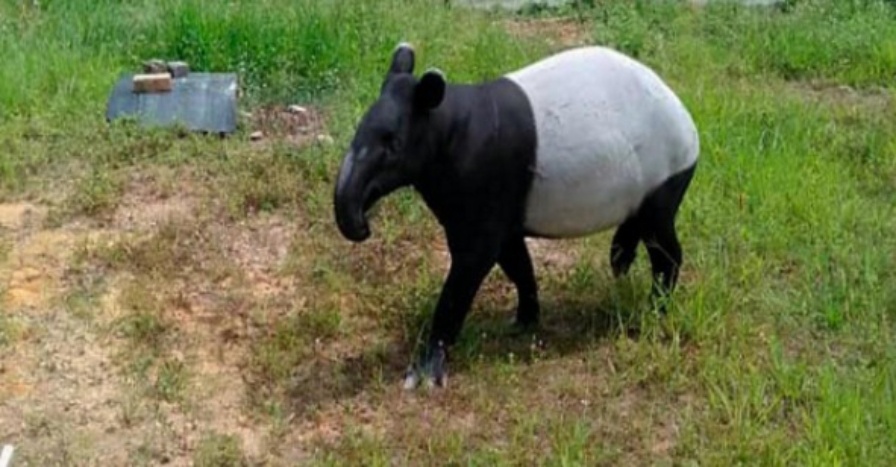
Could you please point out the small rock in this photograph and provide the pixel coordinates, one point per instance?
(325, 139)
(297, 109)
(245, 114)
(256, 136)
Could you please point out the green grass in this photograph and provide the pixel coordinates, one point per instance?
(778, 349)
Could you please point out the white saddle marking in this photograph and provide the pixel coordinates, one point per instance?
(609, 132)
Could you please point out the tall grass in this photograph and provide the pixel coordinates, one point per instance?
(282, 50)
(851, 41)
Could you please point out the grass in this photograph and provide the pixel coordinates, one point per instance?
(219, 450)
(778, 349)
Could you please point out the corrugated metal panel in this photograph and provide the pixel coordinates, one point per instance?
(199, 101)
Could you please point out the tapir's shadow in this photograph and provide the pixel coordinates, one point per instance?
(568, 326)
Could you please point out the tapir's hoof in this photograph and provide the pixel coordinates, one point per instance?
(432, 373)
(411, 379)
(414, 378)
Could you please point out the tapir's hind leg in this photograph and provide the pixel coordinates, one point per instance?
(665, 257)
(657, 221)
(625, 246)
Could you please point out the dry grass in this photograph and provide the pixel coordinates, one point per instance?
(181, 300)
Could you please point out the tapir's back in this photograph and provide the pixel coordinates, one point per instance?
(609, 132)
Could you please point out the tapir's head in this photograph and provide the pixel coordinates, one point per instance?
(391, 145)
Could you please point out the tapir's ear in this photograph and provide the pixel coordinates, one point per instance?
(430, 90)
(402, 59)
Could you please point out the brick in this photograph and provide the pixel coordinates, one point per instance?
(148, 83)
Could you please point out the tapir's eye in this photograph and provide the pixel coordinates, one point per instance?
(388, 141)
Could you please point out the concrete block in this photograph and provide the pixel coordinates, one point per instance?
(178, 69)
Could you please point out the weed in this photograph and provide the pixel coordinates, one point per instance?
(170, 381)
(143, 324)
(82, 298)
(261, 183)
(8, 330)
(217, 450)
(275, 356)
(96, 194)
(321, 324)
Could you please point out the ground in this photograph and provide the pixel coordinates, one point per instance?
(179, 299)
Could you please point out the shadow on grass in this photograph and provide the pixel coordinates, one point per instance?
(568, 326)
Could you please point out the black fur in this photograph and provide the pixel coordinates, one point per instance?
(654, 224)
(476, 186)
(470, 150)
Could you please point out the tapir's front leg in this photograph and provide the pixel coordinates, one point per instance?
(472, 257)
(517, 265)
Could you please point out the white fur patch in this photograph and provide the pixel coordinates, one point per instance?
(403, 45)
(609, 132)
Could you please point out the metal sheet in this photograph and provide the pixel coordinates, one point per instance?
(199, 101)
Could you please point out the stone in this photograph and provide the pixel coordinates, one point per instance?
(256, 136)
(325, 139)
(297, 109)
(154, 66)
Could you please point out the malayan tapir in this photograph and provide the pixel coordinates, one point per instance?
(580, 142)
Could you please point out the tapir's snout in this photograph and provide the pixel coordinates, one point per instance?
(348, 207)
(357, 233)
(349, 200)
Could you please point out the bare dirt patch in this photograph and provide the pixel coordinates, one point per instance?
(295, 124)
(555, 255)
(259, 246)
(219, 280)
(878, 101)
(35, 270)
(68, 391)
(34, 265)
(56, 397)
(558, 32)
(19, 215)
(152, 198)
